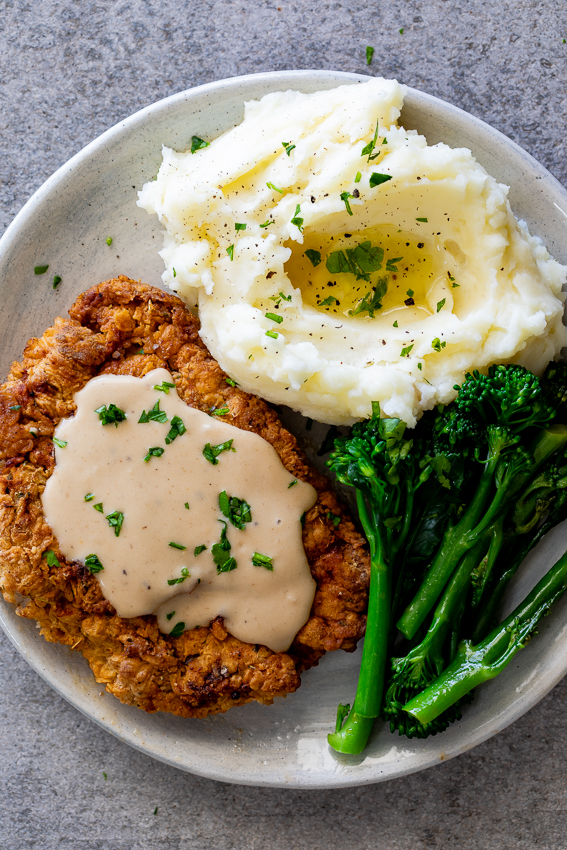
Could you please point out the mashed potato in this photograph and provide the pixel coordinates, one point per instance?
(337, 259)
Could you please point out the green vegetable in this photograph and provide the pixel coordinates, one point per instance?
(422, 220)
(272, 334)
(376, 179)
(221, 553)
(110, 415)
(211, 453)
(89, 497)
(155, 451)
(344, 197)
(288, 147)
(177, 430)
(230, 252)
(40, 269)
(391, 264)
(274, 317)
(313, 256)
(177, 630)
(109, 241)
(56, 281)
(231, 383)
(60, 443)
(328, 302)
(368, 150)
(164, 387)
(369, 55)
(297, 220)
(358, 177)
(441, 304)
(170, 615)
(437, 345)
(238, 226)
(99, 507)
(262, 561)
(198, 144)
(153, 415)
(361, 261)
(115, 521)
(372, 301)
(405, 352)
(219, 411)
(51, 558)
(199, 549)
(275, 188)
(184, 574)
(93, 564)
(177, 546)
(236, 510)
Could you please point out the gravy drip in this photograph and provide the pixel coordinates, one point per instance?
(259, 605)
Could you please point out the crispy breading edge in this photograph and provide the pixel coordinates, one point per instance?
(204, 670)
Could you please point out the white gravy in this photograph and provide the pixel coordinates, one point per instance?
(259, 605)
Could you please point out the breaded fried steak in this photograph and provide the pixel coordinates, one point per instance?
(128, 328)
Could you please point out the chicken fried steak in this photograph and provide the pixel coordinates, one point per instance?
(129, 328)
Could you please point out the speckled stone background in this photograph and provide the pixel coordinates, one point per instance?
(69, 70)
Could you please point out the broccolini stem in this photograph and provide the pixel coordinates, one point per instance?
(476, 664)
(352, 737)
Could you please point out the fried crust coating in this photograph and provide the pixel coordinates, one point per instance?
(129, 328)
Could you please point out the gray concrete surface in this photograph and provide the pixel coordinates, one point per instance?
(69, 70)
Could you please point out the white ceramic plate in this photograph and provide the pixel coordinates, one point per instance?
(66, 224)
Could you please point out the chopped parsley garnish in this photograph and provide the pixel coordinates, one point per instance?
(452, 279)
(230, 252)
(302, 518)
(376, 179)
(239, 226)
(272, 334)
(395, 325)
(391, 264)
(40, 269)
(115, 520)
(410, 293)
(109, 241)
(221, 553)
(288, 147)
(231, 383)
(60, 443)
(211, 453)
(369, 148)
(51, 558)
(372, 301)
(110, 415)
(360, 261)
(234, 509)
(369, 55)
(358, 177)
(292, 483)
(275, 188)
(89, 497)
(174, 273)
(405, 352)
(176, 430)
(155, 451)
(170, 615)
(262, 561)
(198, 144)
(297, 220)
(153, 415)
(187, 505)
(437, 345)
(177, 546)
(177, 630)
(266, 223)
(279, 298)
(199, 549)
(313, 256)
(344, 197)
(424, 220)
(164, 387)
(401, 31)
(274, 317)
(93, 564)
(335, 519)
(99, 507)
(184, 574)
(219, 411)
(14, 407)
(328, 302)
(441, 304)
(56, 281)
(420, 366)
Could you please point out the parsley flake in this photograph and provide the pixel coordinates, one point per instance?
(266, 223)
(89, 497)
(262, 561)
(110, 415)
(335, 519)
(231, 383)
(410, 293)
(109, 241)
(297, 220)
(372, 301)
(405, 352)
(360, 261)
(391, 264)
(40, 269)
(199, 549)
(292, 483)
(170, 615)
(51, 558)
(60, 443)
(99, 507)
(275, 188)
(395, 325)
(358, 177)
(93, 563)
(328, 302)
(176, 430)
(239, 226)
(177, 630)
(376, 179)
(344, 197)
(369, 55)
(177, 546)
(211, 453)
(313, 256)
(236, 510)
(155, 451)
(441, 304)
(437, 345)
(174, 273)
(153, 415)
(164, 387)
(56, 281)
(221, 553)
(187, 505)
(424, 220)
(219, 411)
(288, 147)
(184, 574)
(368, 150)
(115, 520)
(198, 144)
(230, 252)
